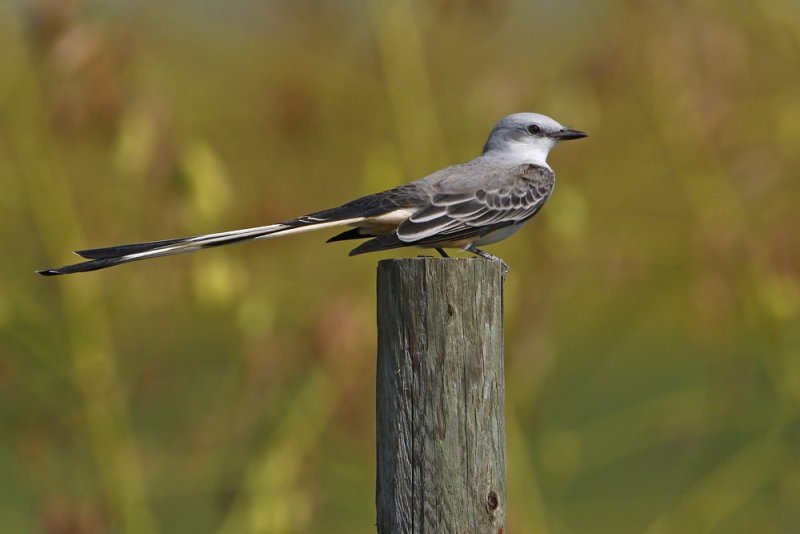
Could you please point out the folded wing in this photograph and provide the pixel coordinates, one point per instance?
(456, 214)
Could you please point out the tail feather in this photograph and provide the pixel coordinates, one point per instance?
(353, 233)
(383, 242)
(85, 266)
(122, 250)
(100, 258)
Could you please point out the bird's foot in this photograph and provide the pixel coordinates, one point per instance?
(491, 257)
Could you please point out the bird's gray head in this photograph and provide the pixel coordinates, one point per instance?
(527, 138)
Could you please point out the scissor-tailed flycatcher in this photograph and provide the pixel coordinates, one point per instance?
(463, 206)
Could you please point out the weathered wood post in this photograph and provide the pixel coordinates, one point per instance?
(440, 398)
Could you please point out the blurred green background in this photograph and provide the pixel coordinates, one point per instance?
(652, 332)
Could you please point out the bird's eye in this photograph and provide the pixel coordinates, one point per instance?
(534, 129)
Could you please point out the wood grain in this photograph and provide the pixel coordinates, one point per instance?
(440, 397)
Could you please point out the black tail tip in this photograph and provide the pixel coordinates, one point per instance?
(48, 272)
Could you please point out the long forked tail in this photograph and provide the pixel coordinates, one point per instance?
(100, 258)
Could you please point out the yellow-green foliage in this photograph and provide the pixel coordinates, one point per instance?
(652, 310)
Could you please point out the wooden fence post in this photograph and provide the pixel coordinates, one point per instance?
(440, 398)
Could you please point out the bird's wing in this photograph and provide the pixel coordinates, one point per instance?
(509, 196)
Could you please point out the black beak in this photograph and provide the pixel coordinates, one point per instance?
(565, 134)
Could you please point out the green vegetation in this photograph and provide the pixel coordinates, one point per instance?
(652, 310)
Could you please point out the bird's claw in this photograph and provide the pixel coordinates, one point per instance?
(491, 257)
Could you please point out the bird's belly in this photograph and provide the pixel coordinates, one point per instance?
(497, 235)
(493, 237)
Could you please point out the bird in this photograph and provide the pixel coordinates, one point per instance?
(463, 206)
